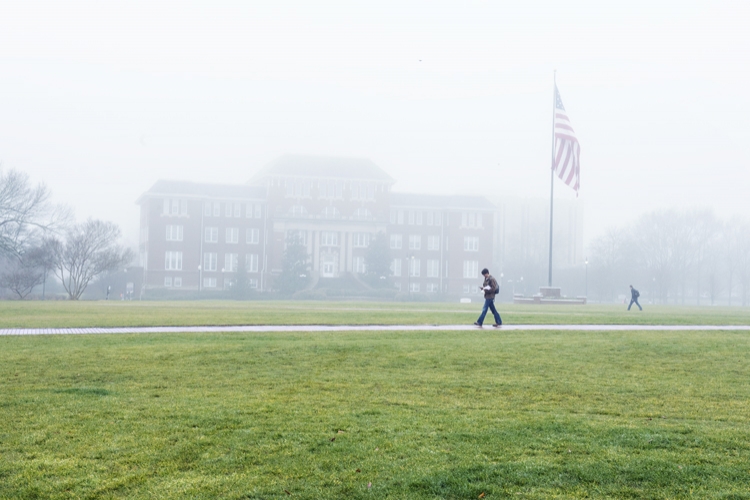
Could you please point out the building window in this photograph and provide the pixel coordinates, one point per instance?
(359, 265)
(210, 261)
(469, 289)
(471, 219)
(411, 217)
(360, 240)
(252, 236)
(297, 210)
(209, 282)
(177, 281)
(212, 235)
(363, 191)
(297, 236)
(471, 268)
(233, 235)
(430, 218)
(438, 219)
(253, 283)
(414, 266)
(330, 213)
(413, 287)
(251, 262)
(433, 268)
(173, 261)
(396, 241)
(248, 210)
(217, 209)
(362, 214)
(415, 241)
(396, 267)
(207, 209)
(400, 216)
(433, 243)
(227, 209)
(237, 210)
(433, 288)
(174, 233)
(329, 238)
(298, 189)
(168, 281)
(257, 211)
(174, 206)
(419, 218)
(330, 190)
(230, 262)
(471, 243)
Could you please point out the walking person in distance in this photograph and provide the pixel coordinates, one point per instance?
(490, 289)
(634, 294)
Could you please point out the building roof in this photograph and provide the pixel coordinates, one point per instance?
(451, 202)
(324, 166)
(200, 190)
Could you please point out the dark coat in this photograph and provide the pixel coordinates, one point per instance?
(492, 283)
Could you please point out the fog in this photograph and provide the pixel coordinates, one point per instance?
(99, 100)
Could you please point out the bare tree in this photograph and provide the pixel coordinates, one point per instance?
(90, 249)
(26, 213)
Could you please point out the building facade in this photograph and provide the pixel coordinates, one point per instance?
(199, 236)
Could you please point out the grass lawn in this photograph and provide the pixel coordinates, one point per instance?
(477, 414)
(57, 314)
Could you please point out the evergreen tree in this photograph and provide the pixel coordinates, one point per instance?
(378, 262)
(295, 266)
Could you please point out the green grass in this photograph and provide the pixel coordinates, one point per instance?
(56, 314)
(418, 415)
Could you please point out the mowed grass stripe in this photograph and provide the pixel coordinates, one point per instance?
(414, 414)
(66, 314)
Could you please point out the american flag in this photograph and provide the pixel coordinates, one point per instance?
(567, 150)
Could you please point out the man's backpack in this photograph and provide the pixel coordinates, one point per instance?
(636, 293)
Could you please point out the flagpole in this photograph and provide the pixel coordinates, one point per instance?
(552, 175)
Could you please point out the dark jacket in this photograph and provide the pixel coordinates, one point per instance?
(634, 294)
(490, 282)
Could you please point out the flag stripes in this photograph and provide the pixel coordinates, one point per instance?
(567, 150)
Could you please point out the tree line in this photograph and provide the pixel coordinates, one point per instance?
(39, 238)
(674, 256)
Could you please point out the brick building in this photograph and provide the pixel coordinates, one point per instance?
(199, 236)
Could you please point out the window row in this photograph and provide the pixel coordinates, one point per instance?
(415, 267)
(416, 217)
(330, 212)
(415, 287)
(232, 235)
(212, 283)
(174, 206)
(328, 238)
(213, 209)
(471, 243)
(231, 261)
(471, 219)
(331, 189)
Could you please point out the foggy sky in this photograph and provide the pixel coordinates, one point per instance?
(101, 99)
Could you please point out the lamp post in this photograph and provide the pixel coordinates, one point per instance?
(200, 278)
(586, 262)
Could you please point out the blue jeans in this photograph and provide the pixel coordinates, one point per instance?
(634, 301)
(489, 304)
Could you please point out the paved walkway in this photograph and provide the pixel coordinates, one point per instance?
(355, 328)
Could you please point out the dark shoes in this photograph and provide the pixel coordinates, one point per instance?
(497, 325)
(476, 323)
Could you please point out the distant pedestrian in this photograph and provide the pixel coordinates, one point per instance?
(634, 294)
(490, 288)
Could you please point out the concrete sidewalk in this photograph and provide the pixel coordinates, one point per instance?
(358, 328)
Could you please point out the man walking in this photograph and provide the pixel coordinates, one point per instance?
(634, 294)
(490, 289)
